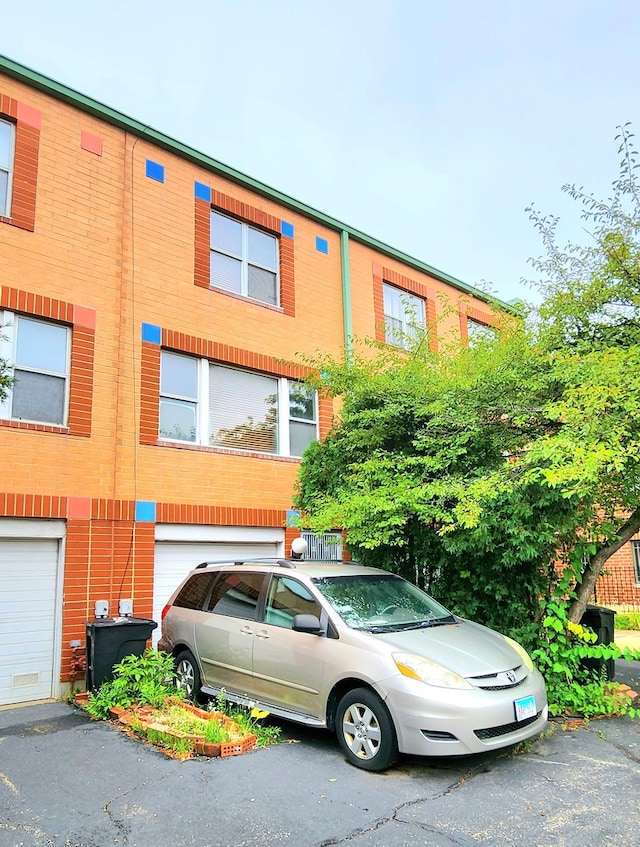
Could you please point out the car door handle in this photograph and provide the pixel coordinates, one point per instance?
(264, 634)
(246, 630)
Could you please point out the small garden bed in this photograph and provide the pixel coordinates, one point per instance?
(181, 728)
(144, 700)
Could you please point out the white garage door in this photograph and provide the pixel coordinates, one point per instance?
(174, 560)
(28, 578)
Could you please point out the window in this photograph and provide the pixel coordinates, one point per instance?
(221, 406)
(236, 595)
(39, 353)
(478, 332)
(195, 591)
(403, 316)
(635, 546)
(288, 598)
(178, 397)
(244, 259)
(6, 162)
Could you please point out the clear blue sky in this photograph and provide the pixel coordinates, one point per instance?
(429, 125)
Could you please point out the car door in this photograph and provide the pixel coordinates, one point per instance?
(225, 634)
(288, 666)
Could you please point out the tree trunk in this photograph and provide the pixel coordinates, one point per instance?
(596, 565)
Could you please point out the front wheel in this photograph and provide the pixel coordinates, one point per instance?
(365, 730)
(187, 675)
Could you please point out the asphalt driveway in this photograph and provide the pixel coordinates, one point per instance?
(66, 780)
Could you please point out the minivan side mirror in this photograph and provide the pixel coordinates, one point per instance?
(307, 623)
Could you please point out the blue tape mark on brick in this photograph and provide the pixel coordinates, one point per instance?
(322, 245)
(154, 171)
(202, 191)
(286, 229)
(145, 511)
(151, 333)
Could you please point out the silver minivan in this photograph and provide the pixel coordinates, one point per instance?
(354, 649)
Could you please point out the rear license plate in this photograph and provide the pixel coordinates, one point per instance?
(525, 707)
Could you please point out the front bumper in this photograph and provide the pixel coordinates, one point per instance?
(433, 721)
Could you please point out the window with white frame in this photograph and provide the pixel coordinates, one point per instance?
(244, 259)
(178, 397)
(635, 546)
(39, 353)
(478, 332)
(6, 164)
(404, 316)
(216, 405)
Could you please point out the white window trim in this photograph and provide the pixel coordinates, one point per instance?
(202, 410)
(244, 260)
(408, 316)
(479, 330)
(8, 340)
(635, 555)
(12, 151)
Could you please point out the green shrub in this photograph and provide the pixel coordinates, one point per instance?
(628, 620)
(145, 680)
(573, 689)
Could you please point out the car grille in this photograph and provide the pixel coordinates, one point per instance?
(502, 682)
(501, 687)
(505, 729)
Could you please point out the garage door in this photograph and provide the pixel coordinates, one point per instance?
(28, 577)
(174, 560)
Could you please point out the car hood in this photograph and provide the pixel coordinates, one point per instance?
(467, 648)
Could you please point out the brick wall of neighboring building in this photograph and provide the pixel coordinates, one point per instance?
(619, 585)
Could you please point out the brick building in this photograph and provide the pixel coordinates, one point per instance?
(154, 305)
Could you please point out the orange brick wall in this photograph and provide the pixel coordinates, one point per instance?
(99, 245)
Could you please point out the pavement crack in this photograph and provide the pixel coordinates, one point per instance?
(393, 816)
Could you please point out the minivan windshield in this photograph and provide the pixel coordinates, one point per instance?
(381, 602)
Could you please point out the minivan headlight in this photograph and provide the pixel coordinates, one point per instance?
(526, 658)
(417, 667)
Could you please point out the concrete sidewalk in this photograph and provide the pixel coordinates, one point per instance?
(627, 638)
(66, 781)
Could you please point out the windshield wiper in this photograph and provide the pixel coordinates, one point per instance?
(431, 622)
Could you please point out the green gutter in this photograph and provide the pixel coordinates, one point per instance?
(122, 121)
(346, 293)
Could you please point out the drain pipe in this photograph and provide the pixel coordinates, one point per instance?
(346, 294)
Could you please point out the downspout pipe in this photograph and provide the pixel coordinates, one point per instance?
(345, 269)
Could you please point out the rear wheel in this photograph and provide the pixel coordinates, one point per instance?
(365, 730)
(187, 675)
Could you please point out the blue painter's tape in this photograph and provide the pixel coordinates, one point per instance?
(145, 511)
(154, 171)
(322, 245)
(293, 518)
(286, 229)
(202, 191)
(151, 333)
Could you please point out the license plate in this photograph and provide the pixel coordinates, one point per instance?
(525, 707)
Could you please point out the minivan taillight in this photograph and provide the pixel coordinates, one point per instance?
(164, 611)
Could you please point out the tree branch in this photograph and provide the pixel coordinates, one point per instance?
(596, 564)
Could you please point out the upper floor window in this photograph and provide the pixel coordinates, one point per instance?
(404, 316)
(39, 353)
(478, 332)
(6, 164)
(244, 259)
(216, 405)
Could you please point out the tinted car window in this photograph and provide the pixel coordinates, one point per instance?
(236, 595)
(194, 591)
(286, 599)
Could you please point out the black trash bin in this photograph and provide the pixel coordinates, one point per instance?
(111, 639)
(602, 622)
